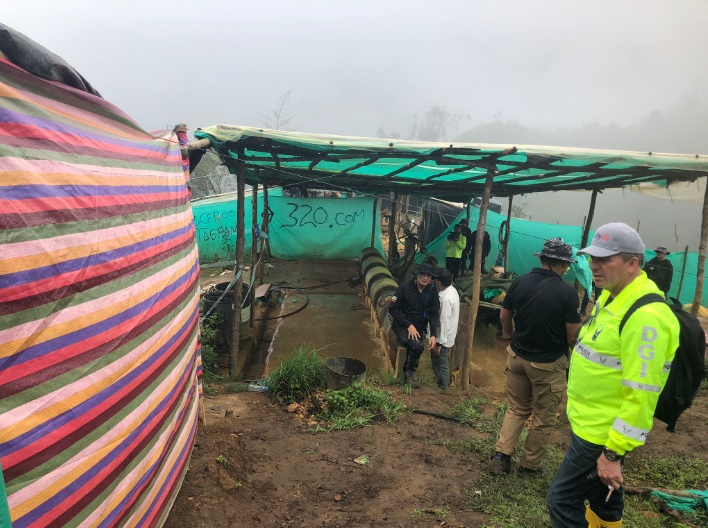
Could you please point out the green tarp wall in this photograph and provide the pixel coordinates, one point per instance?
(299, 228)
(527, 238)
(215, 223)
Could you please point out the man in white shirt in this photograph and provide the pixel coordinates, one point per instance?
(449, 316)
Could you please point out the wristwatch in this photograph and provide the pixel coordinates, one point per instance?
(612, 456)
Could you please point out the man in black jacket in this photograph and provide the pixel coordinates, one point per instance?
(660, 270)
(415, 305)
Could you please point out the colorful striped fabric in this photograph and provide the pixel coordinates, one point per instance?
(99, 357)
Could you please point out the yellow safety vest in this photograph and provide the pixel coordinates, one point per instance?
(454, 249)
(615, 381)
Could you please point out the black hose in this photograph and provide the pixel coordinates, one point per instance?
(437, 415)
(307, 301)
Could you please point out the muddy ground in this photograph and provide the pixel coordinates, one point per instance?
(255, 464)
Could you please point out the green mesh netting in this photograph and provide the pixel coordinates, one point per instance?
(527, 238)
(299, 228)
(685, 504)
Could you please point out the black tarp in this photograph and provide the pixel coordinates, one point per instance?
(37, 60)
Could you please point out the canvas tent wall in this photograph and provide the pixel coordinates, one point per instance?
(99, 356)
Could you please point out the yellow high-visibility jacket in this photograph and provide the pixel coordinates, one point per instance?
(454, 248)
(615, 381)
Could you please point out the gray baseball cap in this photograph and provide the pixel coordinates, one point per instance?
(614, 238)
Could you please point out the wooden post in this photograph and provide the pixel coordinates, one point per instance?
(374, 219)
(476, 278)
(588, 222)
(254, 249)
(683, 270)
(254, 222)
(392, 242)
(469, 205)
(701, 269)
(508, 234)
(238, 267)
(265, 248)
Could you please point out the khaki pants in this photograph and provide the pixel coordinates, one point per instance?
(534, 390)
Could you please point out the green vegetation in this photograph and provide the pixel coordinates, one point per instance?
(438, 513)
(222, 460)
(470, 412)
(513, 502)
(357, 406)
(209, 333)
(234, 387)
(298, 376)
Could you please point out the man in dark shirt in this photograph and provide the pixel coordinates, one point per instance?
(415, 305)
(540, 312)
(660, 270)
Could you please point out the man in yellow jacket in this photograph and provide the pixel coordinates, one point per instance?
(614, 384)
(454, 246)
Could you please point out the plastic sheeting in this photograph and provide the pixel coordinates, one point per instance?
(323, 228)
(299, 228)
(527, 238)
(99, 356)
(215, 223)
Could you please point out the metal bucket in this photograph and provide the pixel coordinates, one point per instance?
(341, 372)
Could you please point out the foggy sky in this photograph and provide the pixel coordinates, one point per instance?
(355, 67)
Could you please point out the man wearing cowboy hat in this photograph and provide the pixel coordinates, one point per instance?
(540, 313)
(415, 305)
(660, 270)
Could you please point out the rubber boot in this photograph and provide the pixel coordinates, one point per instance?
(595, 522)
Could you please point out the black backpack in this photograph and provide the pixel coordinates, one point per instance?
(688, 368)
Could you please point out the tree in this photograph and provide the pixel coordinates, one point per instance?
(279, 118)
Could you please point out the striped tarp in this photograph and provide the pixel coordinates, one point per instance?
(99, 357)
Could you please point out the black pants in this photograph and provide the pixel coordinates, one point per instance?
(414, 347)
(453, 266)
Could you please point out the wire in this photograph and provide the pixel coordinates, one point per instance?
(300, 309)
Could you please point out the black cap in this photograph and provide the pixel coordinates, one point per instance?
(555, 248)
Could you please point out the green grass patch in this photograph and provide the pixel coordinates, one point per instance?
(475, 413)
(357, 406)
(298, 376)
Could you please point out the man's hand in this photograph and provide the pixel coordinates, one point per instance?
(432, 343)
(610, 473)
(436, 349)
(413, 333)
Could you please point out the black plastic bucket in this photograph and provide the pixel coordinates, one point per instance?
(341, 372)
(225, 309)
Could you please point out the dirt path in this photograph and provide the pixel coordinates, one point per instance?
(261, 466)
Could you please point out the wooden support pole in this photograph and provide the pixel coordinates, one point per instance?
(588, 222)
(238, 266)
(264, 229)
(683, 271)
(374, 219)
(254, 248)
(198, 144)
(701, 269)
(392, 242)
(254, 222)
(508, 234)
(476, 279)
(469, 205)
